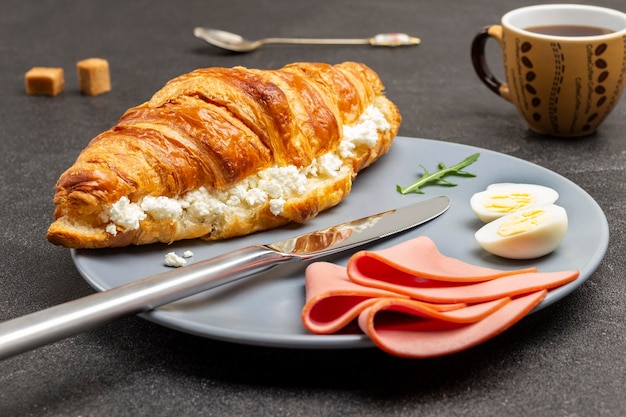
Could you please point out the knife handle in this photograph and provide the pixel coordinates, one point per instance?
(55, 323)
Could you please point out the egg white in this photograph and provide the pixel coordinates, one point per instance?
(504, 198)
(526, 234)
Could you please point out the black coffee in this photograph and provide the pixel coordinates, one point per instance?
(569, 30)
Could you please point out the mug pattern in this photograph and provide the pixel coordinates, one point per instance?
(559, 61)
(590, 106)
(600, 91)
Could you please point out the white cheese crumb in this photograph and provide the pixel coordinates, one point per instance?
(203, 205)
(346, 147)
(161, 207)
(187, 254)
(255, 196)
(111, 229)
(126, 214)
(329, 164)
(364, 131)
(174, 261)
(277, 205)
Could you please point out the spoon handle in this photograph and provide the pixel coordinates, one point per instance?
(382, 39)
(394, 39)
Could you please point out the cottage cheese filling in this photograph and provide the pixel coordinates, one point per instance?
(273, 185)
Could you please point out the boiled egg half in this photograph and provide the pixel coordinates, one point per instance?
(504, 198)
(525, 234)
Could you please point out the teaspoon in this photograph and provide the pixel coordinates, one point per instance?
(233, 42)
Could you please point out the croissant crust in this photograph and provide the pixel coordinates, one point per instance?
(213, 131)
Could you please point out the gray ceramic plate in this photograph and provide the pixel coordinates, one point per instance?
(265, 310)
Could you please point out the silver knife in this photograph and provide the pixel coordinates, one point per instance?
(55, 323)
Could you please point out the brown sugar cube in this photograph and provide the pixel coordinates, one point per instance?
(93, 76)
(45, 81)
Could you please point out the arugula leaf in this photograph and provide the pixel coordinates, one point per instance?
(437, 178)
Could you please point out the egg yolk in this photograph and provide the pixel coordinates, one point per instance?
(507, 203)
(523, 222)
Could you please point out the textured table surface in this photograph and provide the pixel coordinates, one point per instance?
(566, 360)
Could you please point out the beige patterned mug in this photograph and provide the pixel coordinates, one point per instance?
(564, 65)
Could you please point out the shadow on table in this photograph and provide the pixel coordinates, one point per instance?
(136, 360)
(366, 369)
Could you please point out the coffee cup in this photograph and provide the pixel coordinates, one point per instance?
(564, 65)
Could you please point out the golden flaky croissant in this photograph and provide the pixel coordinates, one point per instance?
(218, 153)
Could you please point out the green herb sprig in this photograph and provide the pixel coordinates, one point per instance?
(437, 178)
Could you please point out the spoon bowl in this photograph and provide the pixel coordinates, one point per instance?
(236, 43)
(226, 40)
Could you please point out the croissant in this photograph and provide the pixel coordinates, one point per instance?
(224, 152)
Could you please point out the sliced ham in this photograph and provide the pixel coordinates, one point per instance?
(418, 260)
(506, 286)
(413, 337)
(333, 301)
(413, 301)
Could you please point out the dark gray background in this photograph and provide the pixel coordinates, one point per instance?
(566, 360)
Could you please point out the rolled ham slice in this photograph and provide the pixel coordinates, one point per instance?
(441, 292)
(418, 260)
(413, 337)
(333, 301)
(413, 301)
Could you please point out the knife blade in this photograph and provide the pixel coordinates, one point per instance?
(28, 332)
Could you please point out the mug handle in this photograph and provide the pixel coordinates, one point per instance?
(480, 64)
